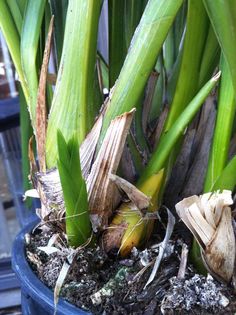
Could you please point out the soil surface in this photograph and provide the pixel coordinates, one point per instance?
(108, 284)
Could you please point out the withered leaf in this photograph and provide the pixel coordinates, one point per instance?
(135, 195)
(41, 108)
(101, 190)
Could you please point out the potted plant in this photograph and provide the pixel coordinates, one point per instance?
(163, 63)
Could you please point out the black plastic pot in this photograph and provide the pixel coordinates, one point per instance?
(36, 298)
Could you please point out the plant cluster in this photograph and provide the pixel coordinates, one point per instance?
(165, 58)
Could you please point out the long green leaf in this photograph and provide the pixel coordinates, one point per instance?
(26, 133)
(223, 129)
(117, 45)
(179, 27)
(169, 50)
(16, 13)
(151, 32)
(72, 107)
(227, 178)
(194, 41)
(59, 10)
(12, 38)
(29, 47)
(22, 6)
(210, 57)
(222, 14)
(78, 226)
(161, 154)
(133, 12)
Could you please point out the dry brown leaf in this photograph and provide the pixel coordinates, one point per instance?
(156, 134)
(151, 85)
(127, 165)
(135, 195)
(101, 191)
(51, 191)
(113, 239)
(200, 151)
(209, 219)
(88, 147)
(52, 78)
(32, 161)
(41, 108)
(99, 72)
(219, 255)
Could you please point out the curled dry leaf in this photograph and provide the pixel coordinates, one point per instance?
(208, 217)
(134, 194)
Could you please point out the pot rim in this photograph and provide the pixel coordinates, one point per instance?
(31, 284)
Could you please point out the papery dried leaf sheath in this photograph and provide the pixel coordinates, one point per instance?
(219, 255)
(88, 147)
(100, 188)
(50, 180)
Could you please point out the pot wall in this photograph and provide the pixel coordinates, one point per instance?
(37, 299)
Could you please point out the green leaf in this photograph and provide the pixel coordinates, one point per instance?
(26, 133)
(194, 41)
(210, 57)
(29, 46)
(11, 35)
(223, 128)
(78, 226)
(227, 178)
(165, 146)
(117, 45)
(73, 109)
(16, 13)
(59, 10)
(222, 14)
(133, 13)
(146, 44)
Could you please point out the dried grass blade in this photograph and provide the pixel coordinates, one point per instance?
(60, 280)
(162, 248)
(41, 108)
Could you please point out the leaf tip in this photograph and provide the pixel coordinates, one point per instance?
(217, 76)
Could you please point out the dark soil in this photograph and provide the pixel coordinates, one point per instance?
(123, 280)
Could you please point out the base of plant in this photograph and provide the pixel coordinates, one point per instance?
(98, 282)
